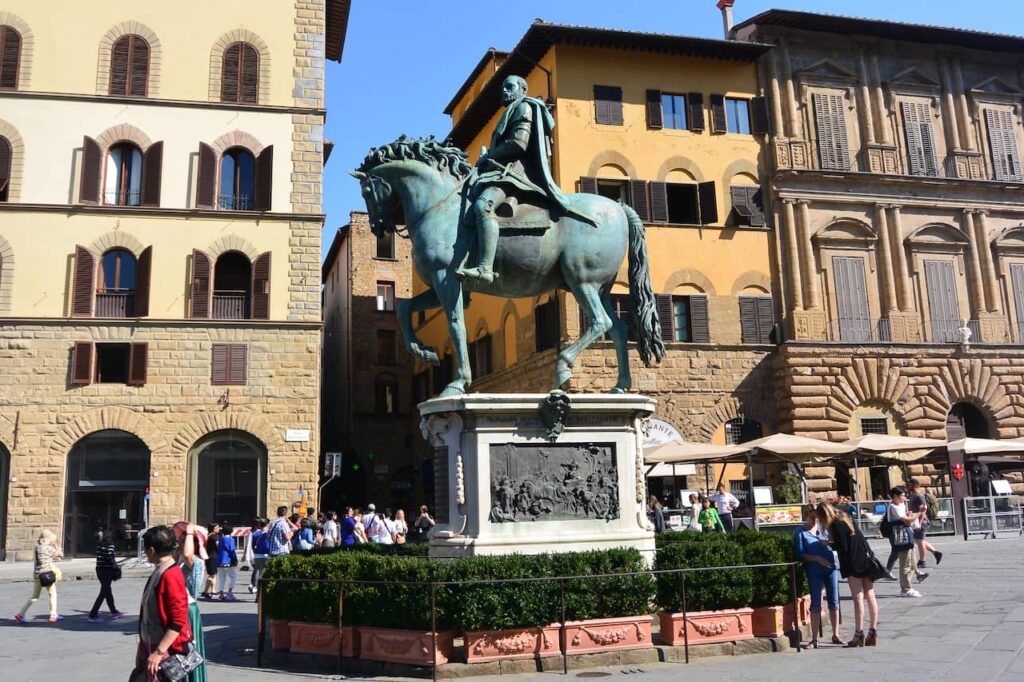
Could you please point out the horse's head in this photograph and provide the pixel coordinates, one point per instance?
(380, 202)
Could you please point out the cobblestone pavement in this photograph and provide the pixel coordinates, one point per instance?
(968, 626)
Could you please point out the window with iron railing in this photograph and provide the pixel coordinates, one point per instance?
(123, 182)
(115, 296)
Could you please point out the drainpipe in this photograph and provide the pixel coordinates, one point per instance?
(726, 7)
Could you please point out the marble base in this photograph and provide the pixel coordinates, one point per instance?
(506, 482)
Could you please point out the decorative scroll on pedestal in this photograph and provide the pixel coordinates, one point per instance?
(553, 482)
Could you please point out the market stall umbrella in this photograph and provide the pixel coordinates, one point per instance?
(899, 448)
(799, 449)
(985, 446)
(679, 452)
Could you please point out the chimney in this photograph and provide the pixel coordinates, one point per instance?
(726, 7)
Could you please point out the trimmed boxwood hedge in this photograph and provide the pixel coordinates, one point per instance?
(705, 590)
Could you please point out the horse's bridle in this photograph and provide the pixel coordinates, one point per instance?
(374, 180)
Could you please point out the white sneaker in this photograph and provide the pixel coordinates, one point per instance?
(910, 593)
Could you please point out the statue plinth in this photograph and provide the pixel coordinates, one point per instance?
(533, 473)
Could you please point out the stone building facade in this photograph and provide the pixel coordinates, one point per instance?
(369, 407)
(160, 217)
(895, 187)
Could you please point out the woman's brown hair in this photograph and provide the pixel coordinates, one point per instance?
(827, 515)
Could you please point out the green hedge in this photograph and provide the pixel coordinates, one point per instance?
(705, 590)
(771, 585)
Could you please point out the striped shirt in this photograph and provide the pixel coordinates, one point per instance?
(106, 555)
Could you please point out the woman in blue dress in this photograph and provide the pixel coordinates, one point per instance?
(190, 556)
(821, 565)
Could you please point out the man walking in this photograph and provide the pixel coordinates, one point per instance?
(725, 503)
(280, 532)
(901, 538)
(917, 503)
(368, 518)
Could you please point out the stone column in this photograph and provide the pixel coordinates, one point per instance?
(792, 115)
(866, 114)
(973, 265)
(812, 292)
(992, 299)
(905, 288)
(952, 126)
(882, 116)
(885, 256)
(792, 256)
(966, 132)
(778, 124)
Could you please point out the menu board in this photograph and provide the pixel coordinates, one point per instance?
(779, 515)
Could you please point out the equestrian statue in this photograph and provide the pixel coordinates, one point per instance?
(504, 228)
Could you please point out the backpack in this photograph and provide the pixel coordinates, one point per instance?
(932, 509)
(885, 525)
(261, 542)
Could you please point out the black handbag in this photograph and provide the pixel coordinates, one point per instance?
(116, 573)
(47, 578)
(177, 666)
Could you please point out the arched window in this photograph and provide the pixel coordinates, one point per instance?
(10, 57)
(385, 394)
(510, 339)
(129, 66)
(741, 430)
(6, 155)
(232, 285)
(966, 421)
(237, 179)
(240, 75)
(123, 183)
(229, 478)
(115, 296)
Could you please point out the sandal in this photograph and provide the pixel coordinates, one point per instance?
(836, 640)
(872, 638)
(813, 644)
(857, 641)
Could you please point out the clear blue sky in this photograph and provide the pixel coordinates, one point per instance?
(396, 76)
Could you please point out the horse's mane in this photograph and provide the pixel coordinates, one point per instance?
(426, 149)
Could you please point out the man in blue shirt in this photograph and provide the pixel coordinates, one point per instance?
(227, 566)
(348, 528)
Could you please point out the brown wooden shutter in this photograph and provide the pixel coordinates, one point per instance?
(718, 121)
(229, 79)
(81, 363)
(707, 202)
(206, 183)
(738, 194)
(654, 113)
(264, 179)
(759, 109)
(588, 185)
(638, 199)
(152, 165)
(699, 325)
(92, 164)
(238, 364)
(695, 111)
(830, 120)
(139, 72)
(6, 155)
(1003, 146)
(120, 54)
(748, 320)
(261, 287)
(608, 104)
(755, 201)
(219, 364)
(765, 318)
(201, 285)
(665, 316)
(920, 138)
(249, 75)
(10, 57)
(83, 293)
(138, 355)
(143, 273)
(659, 202)
(854, 315)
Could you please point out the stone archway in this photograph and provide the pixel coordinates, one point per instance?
(227, 478)
(116, 418)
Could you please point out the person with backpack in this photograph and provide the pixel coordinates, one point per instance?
(257, 551)
(886, 527)
(368, 518)
(919, 502)
(901, 537)
(227, 566)
(383, 529)
(424, 522)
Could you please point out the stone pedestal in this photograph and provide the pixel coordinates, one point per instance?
(533, 473)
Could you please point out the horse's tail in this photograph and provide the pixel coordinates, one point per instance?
(648, 326)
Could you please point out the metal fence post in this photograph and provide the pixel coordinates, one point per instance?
(561, 635)
(686, 625)
(433, 628)
(796, 606)
(260, 625)
(341, 629)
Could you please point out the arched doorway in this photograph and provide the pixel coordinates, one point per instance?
(5, 476)
(108, 473)
(229, 474)
(966, 421)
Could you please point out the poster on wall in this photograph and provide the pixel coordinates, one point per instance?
(661, 432)
(779, 515)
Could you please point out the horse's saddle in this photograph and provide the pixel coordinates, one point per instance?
(523, 215)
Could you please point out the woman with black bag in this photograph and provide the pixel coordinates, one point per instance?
(857, 563)
(107, 572)
(46, 576)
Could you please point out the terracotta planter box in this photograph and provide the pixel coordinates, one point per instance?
(607, 634)
(706, 627)
(768, 621)
(280, 635)
(412, 647)
(314, 638)
(803, 611)
(494, 645)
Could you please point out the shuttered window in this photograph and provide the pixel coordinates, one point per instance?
(386, 296)
(109, 363)
(655, 120)
(261, 287)
(695, 111)
(759, 113)
(129, 66)
(830, 122)
(10, 57)
(84, 283)
(240, 75)
(920, 137)
(684, 318)
(81, 363)
(623, 307)
(746, 202)
(673, 110)
(608, 105)
(943, 303)
(737, 114)
(480, 364)
(1002, 143)
(851, 290)
(684, 203)
(229, 364)
(92, 171)
(206, 177)
(201, 289)
(632, 192)
(6, 160)
(546, 325)
(1017, 280)
(757, 317)
(719, 121)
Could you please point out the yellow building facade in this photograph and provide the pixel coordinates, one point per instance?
(675, 127)
(160, 218)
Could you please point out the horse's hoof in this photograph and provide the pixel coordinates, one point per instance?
(452, 391)
(562, 376)
(618, 390)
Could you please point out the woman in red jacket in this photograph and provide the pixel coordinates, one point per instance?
(163, 622)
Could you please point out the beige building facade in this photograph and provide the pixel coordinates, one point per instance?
(160, 218)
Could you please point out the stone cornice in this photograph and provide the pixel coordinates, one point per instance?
(160, 102)
(147, 211)
(157, 323)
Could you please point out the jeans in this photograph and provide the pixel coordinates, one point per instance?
(36, 591)
(816, 581)
(726, 522)
(106, 578)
